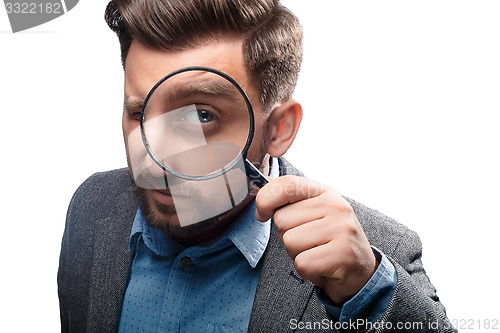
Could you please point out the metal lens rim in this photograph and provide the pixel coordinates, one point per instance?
(250, 130)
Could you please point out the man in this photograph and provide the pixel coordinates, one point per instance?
(293, 255)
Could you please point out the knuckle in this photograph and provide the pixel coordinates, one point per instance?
(345, 207)
(351, 228)
(289, 184)
(259, 199)
(342, 205)
(289, 179)
(334, 200)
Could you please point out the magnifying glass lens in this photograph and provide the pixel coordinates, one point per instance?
(189, 151)
(195, 124)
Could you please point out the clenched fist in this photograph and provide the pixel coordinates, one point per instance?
(321, 234)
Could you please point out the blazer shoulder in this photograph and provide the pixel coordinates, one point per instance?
(107, 181)
(102, 194)
(383, 232)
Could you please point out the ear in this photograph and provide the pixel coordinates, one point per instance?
(284, 123)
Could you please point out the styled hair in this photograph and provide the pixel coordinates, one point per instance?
(272, 35)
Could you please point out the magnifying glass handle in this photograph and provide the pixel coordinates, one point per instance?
(254, 174)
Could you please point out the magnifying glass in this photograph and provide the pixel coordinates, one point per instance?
(197, 123)
(190, 150)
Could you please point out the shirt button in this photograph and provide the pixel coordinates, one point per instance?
(185, 261)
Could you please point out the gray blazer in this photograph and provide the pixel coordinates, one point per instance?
(95, 261)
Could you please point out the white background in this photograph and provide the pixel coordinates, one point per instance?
(401, 103)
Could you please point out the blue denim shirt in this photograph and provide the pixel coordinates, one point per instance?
(195, 289)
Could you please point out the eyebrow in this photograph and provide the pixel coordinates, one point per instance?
(206, 87)
(133, 103)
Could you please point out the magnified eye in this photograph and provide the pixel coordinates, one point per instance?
(201, 115)
(205, 117)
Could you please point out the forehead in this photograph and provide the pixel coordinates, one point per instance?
(144, 66)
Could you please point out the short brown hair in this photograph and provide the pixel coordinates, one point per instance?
(272, 47)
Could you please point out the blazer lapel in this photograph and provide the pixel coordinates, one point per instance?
(281, 294)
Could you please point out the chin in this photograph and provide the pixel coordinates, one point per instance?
(165, 219)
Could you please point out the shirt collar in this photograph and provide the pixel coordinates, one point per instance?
(153, 238)
(249, 235)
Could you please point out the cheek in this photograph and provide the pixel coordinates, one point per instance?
(260, 142)
(129, 127)
(133, 143)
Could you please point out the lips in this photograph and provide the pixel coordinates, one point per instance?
(163, 197)
(166, 198)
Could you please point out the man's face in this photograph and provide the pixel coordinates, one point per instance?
(166, 205)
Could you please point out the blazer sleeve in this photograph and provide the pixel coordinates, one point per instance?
(414, 305)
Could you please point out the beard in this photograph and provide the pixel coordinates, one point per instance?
(166, 217)
(206, 226)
